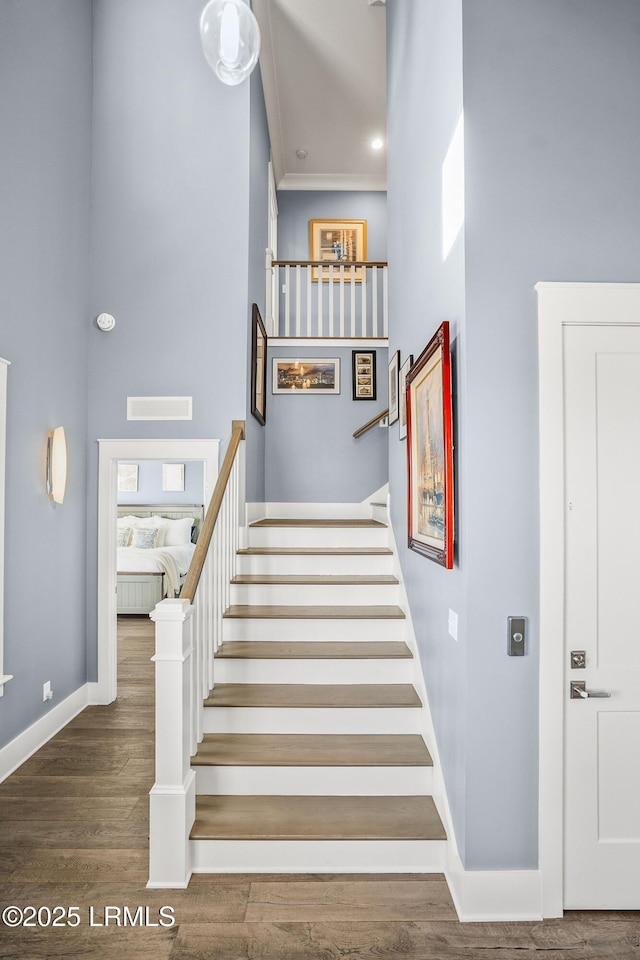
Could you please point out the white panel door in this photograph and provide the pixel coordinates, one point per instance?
(602, 734)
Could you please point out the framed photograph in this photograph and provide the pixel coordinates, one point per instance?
(338, 242)
(258, 366)
(402, 397)
(311, 376)
(394, 369)
(173, 477)
(127, 477)
(430, 451)
(363, 375)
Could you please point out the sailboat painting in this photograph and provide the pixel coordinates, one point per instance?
(430, 451)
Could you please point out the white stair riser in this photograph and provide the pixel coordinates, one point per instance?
(313, 594)
(318, 537)
(312, 720)
(336, 781)
(247, 628)
(313, 671)
(323, 565)
(318, 856)
(379, 513)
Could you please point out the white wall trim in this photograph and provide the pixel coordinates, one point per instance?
(478, 895)
(364, 343)
(560, 305)
(323, 181)
(14, 754)
(110, 451)
(493, 895)
(4, 365)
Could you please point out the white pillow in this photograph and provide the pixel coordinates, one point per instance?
(154, 521)
(144, 538)
(123, 536)
(178, 532)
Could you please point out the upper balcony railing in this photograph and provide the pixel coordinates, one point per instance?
(315, 298)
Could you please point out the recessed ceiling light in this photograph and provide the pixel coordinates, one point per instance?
(301, 154)
(377, 143)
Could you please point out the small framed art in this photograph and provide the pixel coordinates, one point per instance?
(363, 375)
(127, 477)
(402, 397)
(306, 376)
(258, 366)
(173, 477)
(394, 369)
(430, 451)
(340, 242)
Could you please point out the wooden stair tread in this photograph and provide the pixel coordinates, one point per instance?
(311, 650)
(312, 750)
(318, 612)
(316, 818)
(313, 695)
(295, 522)
(315, 579)
(316, 551)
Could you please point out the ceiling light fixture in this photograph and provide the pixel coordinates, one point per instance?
(377, 143)
(230, 38)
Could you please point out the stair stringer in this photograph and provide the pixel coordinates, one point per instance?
(478, 895)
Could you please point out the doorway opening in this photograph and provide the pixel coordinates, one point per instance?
(111, 452)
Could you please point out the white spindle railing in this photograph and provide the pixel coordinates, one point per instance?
(350, 299)
(188, 634)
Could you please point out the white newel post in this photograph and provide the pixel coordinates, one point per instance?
(172, 800)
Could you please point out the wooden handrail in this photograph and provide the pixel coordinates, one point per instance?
(336, 264)
(202, 546)
(371, 423)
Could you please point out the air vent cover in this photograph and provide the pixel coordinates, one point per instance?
(159, 408)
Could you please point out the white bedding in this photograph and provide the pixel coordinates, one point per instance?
(173, 562)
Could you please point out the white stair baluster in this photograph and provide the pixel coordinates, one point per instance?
(353, 301)
(330, 290)
(342, 299)
(287, 301)
(298, 291)
(374, 301)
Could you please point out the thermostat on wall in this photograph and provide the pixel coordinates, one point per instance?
(106, 322)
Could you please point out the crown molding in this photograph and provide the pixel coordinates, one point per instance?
(322, 181)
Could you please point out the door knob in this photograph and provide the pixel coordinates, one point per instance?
(578, 691)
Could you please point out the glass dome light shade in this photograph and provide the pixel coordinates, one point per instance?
(230, 38)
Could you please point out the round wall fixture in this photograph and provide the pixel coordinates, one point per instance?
(106, 322)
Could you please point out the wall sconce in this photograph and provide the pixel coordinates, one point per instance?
(230, 38)
(56, 464)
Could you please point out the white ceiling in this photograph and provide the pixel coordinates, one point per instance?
(324, 75)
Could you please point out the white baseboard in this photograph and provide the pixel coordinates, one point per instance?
(381, 495)
(14, 754)
(493, 895)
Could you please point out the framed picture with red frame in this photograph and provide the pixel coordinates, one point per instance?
(430, 451)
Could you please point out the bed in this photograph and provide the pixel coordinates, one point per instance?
(155, 547)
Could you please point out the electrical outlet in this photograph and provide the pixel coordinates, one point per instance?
(47, 692)
(453, 624)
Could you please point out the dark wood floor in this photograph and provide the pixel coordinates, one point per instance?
(73, 832)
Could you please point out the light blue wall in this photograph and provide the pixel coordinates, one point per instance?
(297, 207)
(150, 484)
(170, 228)
(45, 169)
(553, 135)
(424, 97)
(311, 453)
(260, 149)
(552, 132)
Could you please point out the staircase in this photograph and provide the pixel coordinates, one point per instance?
(312, 758)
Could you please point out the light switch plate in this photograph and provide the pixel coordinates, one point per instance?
(453, 624)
